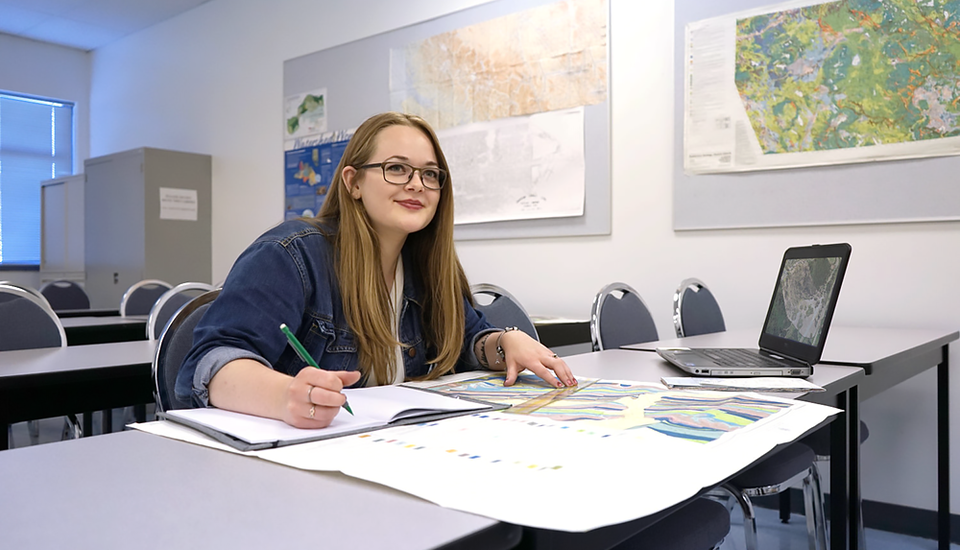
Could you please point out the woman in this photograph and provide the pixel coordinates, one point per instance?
(372, 287)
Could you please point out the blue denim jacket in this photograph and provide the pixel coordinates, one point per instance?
(288, 276)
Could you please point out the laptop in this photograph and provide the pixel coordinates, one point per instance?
(796, 326)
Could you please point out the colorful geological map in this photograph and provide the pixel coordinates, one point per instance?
(616, 405)
(852, 73)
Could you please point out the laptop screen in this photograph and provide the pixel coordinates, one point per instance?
(803, 301)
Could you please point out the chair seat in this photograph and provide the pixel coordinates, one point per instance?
(819, 440)
(776, 469)
(701, 524)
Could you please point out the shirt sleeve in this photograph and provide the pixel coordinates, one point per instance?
(475, 326)
(265, 288)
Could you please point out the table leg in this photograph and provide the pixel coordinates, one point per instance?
(5, 440)
(845, 472)
(87, 424)
(106, 421)
(943, 449)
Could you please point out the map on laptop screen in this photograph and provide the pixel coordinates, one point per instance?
(802, 300)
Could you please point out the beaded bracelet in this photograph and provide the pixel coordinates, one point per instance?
(502, 356)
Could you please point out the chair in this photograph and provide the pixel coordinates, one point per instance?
(775, 475)
(700, 525)
(64, 294)
(140, 297)
(695, 310)
(175, 341)
(168, 304)
(504, 310)
(618, 317)
(28, 322)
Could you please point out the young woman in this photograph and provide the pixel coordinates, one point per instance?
(372, 287)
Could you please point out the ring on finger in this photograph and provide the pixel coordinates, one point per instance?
(556, 356)
(313, 410)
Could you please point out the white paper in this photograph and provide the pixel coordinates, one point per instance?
(760, 384)
(178, 204)
(574, 475)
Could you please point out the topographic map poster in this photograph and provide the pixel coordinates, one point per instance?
(804, 84)
(517, 168)
(542, 59)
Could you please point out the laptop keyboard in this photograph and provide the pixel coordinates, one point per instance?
(739, 358)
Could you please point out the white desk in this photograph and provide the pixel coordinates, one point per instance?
(40, 383)
(888, 357)
(134, 490)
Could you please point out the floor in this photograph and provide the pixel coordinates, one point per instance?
(773, 535)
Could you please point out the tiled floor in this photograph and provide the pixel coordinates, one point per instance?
(773, 535)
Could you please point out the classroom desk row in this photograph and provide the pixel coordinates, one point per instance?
(41, 383)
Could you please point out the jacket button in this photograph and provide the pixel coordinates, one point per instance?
(412, 352)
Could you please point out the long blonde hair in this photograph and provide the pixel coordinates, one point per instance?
(436, 267)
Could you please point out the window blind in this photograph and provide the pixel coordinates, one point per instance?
(36, 144)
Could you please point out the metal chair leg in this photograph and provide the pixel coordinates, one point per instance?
(749, 516)
(813, 505)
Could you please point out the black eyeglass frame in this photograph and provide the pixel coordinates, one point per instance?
(442, 174)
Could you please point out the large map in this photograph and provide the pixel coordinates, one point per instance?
(542, 59)
(807, 84)
(853, 73)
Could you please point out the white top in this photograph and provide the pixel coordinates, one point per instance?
(396, 303)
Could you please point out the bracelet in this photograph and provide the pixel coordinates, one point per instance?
(502, 356)
(483, 351)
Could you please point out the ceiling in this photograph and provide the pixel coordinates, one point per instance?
(86, 24)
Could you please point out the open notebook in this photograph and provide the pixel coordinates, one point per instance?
(374, 408)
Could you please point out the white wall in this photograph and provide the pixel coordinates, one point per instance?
(56, 72)
(210, 81)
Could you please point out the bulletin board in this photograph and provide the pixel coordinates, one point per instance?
(920, 189)
(355, 79)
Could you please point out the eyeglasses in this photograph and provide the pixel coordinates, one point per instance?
(400, 173)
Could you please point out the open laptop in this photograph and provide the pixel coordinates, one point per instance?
(796, 326)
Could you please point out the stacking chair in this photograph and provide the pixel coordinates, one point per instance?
(700, 525)
(64, 294)
(504, 310)
(140, 297)
(618, 317)
(774, 475)
(28, 322)
(168, 304)
(695, 310)
(176, 339)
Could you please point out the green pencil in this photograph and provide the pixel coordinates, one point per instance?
(302, 352)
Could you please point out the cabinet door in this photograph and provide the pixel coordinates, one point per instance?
(114, 242)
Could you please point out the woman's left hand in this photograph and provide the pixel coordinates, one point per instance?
(524, 353)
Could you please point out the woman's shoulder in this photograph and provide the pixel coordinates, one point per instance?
(301, 230)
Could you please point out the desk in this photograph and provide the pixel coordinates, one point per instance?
(888, 357)
(104, 329)
(40, 383)
(104, 312)
(160, 493)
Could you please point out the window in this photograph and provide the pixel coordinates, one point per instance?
(36, 144)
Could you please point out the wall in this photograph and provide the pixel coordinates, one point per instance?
(57, 72)
(209, 81)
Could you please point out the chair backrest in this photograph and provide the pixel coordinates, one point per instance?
(504, 310)
(695, 310)
(168, 304)
(618, 317)
(27, 321)
(64, 294)
(175, 341)
(140, 297)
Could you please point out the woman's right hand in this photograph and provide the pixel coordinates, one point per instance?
(313, 397)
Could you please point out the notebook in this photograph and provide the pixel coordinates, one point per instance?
(796, 326)
(375, 407)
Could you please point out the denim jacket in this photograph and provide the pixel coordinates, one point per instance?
(288, 276)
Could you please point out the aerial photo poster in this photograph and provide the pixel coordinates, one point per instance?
(805, 84)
